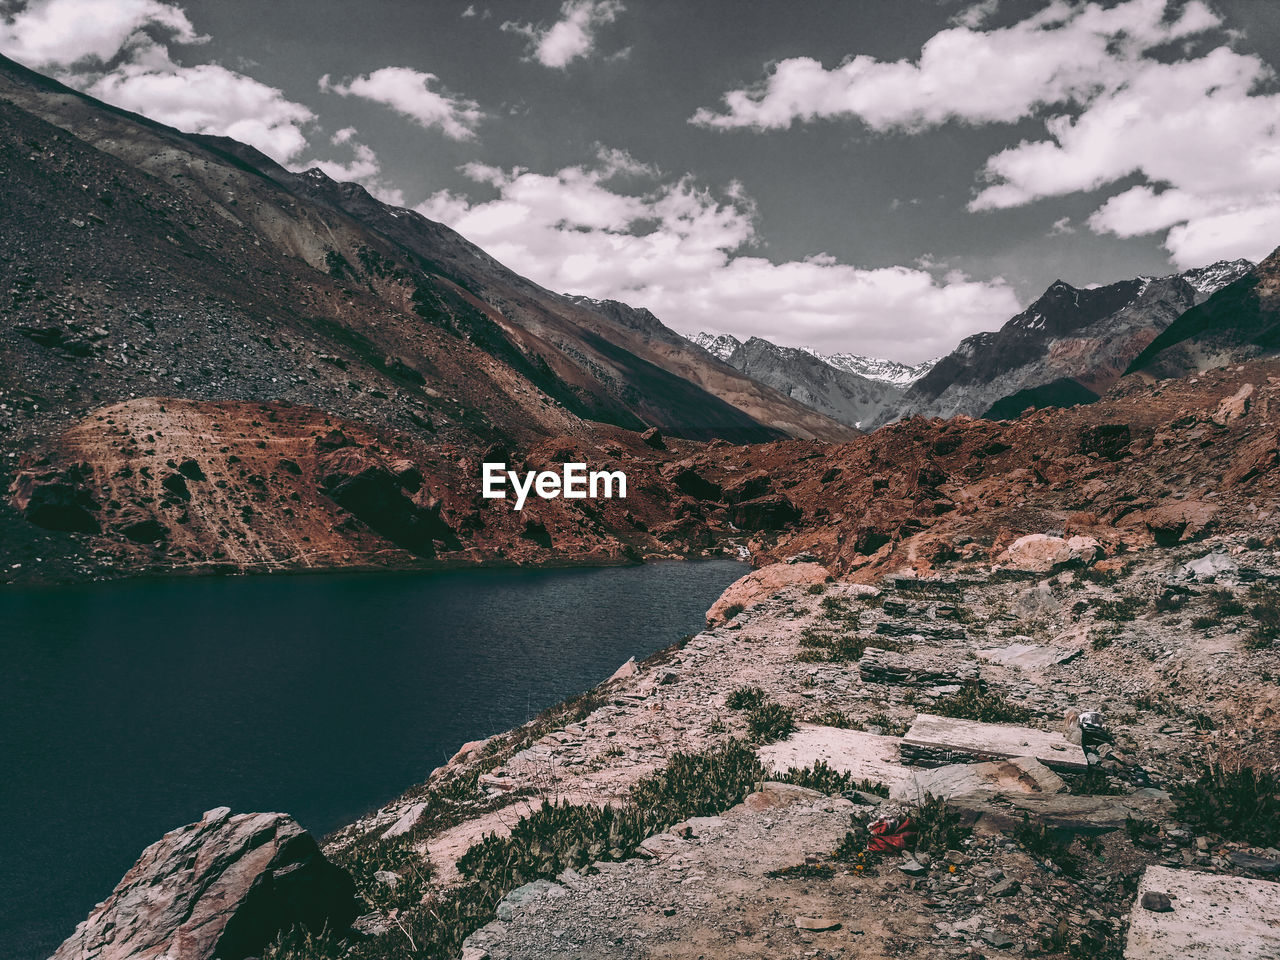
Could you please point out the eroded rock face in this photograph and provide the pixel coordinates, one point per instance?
(223, 887)
(57, 499)
(764, 582)
(1040, 553)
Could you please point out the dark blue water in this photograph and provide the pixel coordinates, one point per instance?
(129, 709)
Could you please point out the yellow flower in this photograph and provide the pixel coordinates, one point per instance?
(952, 868)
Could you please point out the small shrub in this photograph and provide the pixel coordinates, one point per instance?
(1203, 622)
(1094, 783)
(1100, 641)
(890, 726)
(822, 778)
(1120, 611)
(804, 871)
(1241, 804)
(816, 589)
(770, 722)
(937, 825)
(1040, 841)
(1265, 613)
(834, 718)
(1170, 601)
(972, 704)
(1225, 602)
(745, 698)
(732, 611)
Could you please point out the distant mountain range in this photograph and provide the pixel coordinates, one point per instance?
(853, 389)
(1068, 347)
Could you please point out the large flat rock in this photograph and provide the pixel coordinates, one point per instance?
(949, 739)
(1029, 656)
(864, 755)
(1213, 918)
(1025, 775)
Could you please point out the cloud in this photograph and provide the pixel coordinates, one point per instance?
(687, 254)
(572, 36)
(1062, 54)
(119, 53)
(470, 11)
(1061, 227)
(59, 33)
(1133, 89)
(408, 92)
(364, 168)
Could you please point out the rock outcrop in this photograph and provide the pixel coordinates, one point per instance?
(223, 887)
(763, 583)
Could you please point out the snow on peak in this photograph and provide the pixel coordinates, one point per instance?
(721, 345)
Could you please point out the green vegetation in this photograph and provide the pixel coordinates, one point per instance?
(554, 837)
(732, 611)
(745, 698)
(770, 722)
(822, 778)
(1239, 803)
(1119, 611)
(1265, 613)
(937, 825)
(972, 704)
(1225, 602)
(1040, 841)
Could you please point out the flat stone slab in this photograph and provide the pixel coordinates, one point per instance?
(1029, 656)
(917, 667)
(864, 755)
(1213, 918)
(952, 739)
(1025, 775)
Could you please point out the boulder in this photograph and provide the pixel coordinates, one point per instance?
(1021, 775)
(748, 488)
(1110, 441)
(1235, 406)
(765, 582)
(363, 484)
(1172, 523)
(653, 438)
(223, 887)
(57, 499)
(688, 481)
(139, 526)
(1042, 553)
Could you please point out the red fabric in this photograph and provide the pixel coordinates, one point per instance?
(889, 835)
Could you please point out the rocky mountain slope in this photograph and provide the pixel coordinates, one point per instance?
(1070, 345)
(833, 389)
(874, 368)
(918, 644)
(1238, 322)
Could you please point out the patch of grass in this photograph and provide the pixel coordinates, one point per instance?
(745, 698)
(770, 722)
(804, 871)
(1119, 611)
(1094, 783)
(1240, 803)
(561, 835)
(1265, 614)
(1100, 641)
(816, 589)
(890, 726)
(822, 778)
(1225, 602)
(1040, 841)
(972, 704)
(834, 718)
(1170, 601)
(1204, 622)
(937, 825)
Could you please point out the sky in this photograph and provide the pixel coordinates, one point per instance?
(881, 177)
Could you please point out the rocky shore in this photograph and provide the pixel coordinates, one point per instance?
(953, 701)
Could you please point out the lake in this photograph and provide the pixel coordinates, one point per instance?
(128, 709)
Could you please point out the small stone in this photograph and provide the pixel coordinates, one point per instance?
(1156, 902)
(912, 868)
(1005, 888)
(816, 924)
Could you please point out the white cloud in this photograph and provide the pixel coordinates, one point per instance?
(684, 252)
(408, 92)
(572, 36)
(470, 11)
(110, 50)
(58, 33)
(364, 168)
(1061, 227)
(1200, 131)
(1063, 53)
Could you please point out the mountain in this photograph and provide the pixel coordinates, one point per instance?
(1239, 322)
(329, 371)
(721, 346)
(874, 368)
(1086, 336)
(831, 385)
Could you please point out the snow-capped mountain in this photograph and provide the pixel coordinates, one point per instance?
(721, 346)
(874, 368)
